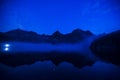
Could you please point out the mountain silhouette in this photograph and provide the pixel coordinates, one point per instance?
(57, 37)
(108, 47)
(23, 36)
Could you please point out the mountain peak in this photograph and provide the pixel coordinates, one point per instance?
(57, 33)
(16, 30)
(21, 32)
(77, 30)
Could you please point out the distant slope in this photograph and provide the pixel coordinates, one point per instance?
(108, 47)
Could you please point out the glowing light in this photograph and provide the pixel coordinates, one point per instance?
(7, 45)
(6, 49)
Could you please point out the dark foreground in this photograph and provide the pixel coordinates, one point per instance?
(27, 58)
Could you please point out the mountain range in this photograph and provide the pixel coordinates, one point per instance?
(57, 37)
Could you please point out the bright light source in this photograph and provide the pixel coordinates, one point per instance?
(6, 49)
(7, 45)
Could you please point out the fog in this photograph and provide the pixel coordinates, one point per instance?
(47, 70)
(82, 47)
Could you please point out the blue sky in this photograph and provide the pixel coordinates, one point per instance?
(45, 17)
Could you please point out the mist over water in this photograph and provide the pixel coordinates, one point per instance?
(82, 47)
(47, 70)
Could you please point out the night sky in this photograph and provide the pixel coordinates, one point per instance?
(47, 16)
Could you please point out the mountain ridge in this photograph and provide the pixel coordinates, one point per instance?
(57, 37)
